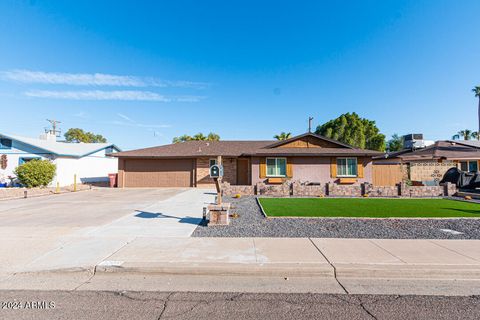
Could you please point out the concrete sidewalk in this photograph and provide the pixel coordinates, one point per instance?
(357, 258)
(445, 267)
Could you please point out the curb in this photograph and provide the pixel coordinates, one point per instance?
(378, 271)
(432, 272)
(222, 269)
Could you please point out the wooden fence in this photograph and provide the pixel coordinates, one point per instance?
(386, 174)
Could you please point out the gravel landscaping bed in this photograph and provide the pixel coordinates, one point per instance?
(251, 223)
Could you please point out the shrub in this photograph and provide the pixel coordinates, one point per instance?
(36, 173)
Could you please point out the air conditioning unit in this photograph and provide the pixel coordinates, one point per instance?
(414, 141)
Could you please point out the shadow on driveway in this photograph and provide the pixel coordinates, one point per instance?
(154, 215)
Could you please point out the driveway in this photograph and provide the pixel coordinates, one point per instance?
(78, 229)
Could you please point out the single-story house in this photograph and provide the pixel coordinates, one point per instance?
(90, 162)
(307, 158)
(428, 165)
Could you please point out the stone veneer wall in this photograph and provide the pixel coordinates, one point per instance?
(298, 189)
(228, 189)
(282, 190)
(338, 190)
(303, 190)
(380, 191)
(421, 191)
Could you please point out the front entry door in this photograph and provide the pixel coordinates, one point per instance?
(243, 177)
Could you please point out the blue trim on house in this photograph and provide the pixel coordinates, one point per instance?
(58, 154)
(22, 160)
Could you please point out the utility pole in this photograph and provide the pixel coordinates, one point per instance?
(54, 130)
(310, 124)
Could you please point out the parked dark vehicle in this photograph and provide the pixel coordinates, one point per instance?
(462, 179)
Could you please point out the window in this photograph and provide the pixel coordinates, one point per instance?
(5, 144)
(276, 167)
(346, 167)
(212, 162)
(469, 166)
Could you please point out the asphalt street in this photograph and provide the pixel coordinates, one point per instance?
(177, 305)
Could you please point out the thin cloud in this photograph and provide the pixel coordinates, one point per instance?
(95, 79)
(129, 122)
(121, 115)
(123, 95)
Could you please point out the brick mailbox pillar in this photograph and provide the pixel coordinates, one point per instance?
(219, 214)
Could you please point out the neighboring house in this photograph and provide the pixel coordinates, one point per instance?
(428, 165)
(306, 158)
(88, 161)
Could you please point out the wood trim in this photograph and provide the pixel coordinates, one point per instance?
(360, 166)
(263, 168)
(333, 167)
(289, 168)
(347, 180)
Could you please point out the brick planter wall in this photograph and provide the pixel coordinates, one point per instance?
(302, 190)
(299, 189)
(282, 190)
(16, 193)
(338, 190)
(380, 191)
(230, 190)
(421, 191)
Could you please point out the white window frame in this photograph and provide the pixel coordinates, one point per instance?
(210, 162)
(346, 163)
(468, 165)
(276, 167)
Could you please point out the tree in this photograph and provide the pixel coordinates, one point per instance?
(476, 90)
(36, 173)
(351, 129)
(283, 136)
(395, 143)
(77, 135)
(182, 138)
(465, 134)
(198, 137)
(213, 137)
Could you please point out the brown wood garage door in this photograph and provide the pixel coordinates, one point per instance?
(158, 173)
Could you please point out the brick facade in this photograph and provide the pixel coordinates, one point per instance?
(203, 171)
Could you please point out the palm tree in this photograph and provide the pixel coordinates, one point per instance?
(465, 134)
(183, 138)
(476, 90)
(199, 137)
(213, 137)
(283, 136)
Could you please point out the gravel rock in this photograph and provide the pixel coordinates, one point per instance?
(251, 223)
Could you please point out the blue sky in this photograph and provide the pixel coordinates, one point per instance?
(141, 73)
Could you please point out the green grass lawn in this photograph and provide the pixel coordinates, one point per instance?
(369, 208)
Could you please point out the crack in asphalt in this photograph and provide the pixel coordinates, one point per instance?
(165, 304)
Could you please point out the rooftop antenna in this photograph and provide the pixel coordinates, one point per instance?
(310, 124)
(53, 130)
